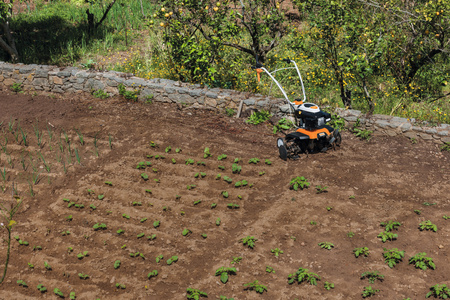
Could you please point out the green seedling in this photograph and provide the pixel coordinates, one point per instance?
(218, 221)
(428, 204)
(421, 261)
(253, 160)
(369, 291)
(58, 292)
(143, 220)
(393, 256)
(190, 187)
(204, 235)
(221, 167)
(69, 218)
(155, 170)
(213, 205)
(236, 169)
(206, 153)
(30, 265)
(225, 194)
(108, 183)
(391, 225)
(427, 225)
(440, 291)
(99, 226)
(224, 273)
(168, 148)
(126, 216)
(361, 251)
(83, 276)
(101, 197)
(140, 235)
(156, 224)
(153, 273)
(65, 233)
(195, 294)
(299, 182)
(372, 276)
(387, 236)
(233, 206)
(22, 283)
(276, 251)
(120, 286)
(172, 260)
(93, 207)
(135, 203)
(227, 179)
(189, 161)
(186, 232)
(72, 296)
(303, 275)
(262, 173)
(328, 285)
(270, 269)
(417, 211)
(69, 249)
(321, 189)
(143, 164)
(148, 191)
(326, 245)
(329, 208)
(159, 258)
(259, 288)
(249, 241)
(144, 176)
(267, 162)
(236, 260)
(241, 183)
(47, 266)
(41, 288)
(178, 150)
(446, 217)
(174, 161)
(222, 157)
(151, 237)
(313, 223)
(201, 163)
(117, 264)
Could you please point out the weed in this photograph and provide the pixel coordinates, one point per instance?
(195, 294)
(427, 225)
(258, 117)
(440, 291)
(363, 134)
(249, 241)
(229, 112)
(302, 275)
(129, 95)
(100, 94)
(372, 276)
(326, 245)
(421, 261)
(361, 251)
(224, 273)
(259, 288)
(276, 251)
(328, 285)
(393, 256)
(350, 234)
(445, 147)
(387, 236)
(299, 182)
(369, 291)
(16, 87)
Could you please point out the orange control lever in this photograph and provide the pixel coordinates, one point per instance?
(258, 73)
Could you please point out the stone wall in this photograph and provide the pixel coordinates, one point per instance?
(72, 80)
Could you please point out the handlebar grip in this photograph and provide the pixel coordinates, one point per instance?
(287, 60)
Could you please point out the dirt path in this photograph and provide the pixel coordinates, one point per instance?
(367, 183)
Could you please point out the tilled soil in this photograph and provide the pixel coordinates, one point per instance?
(85, 142)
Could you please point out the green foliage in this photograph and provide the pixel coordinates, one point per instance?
(270, 269)
(249, 241)
(258, 117)
(440, 291)
(387, 236)
(421, 261)
(445, 147)
(41, 288)
(16, 87)
(361, 251)
(391, 225)
(259, 288)
(153, 273)
(283, 124)
(58, 292)
(328, 285)
(303, 275)
(236, 169)
(427, 225)
(369, 291)
(299, 182)
(22, 283)
(363, 134)
(129, 95)
(100, 94)
(372, 276)
(326, 245)
(276, 251)
(224, 273)
(195, 294)
(393, 256)
(236, 260)
(186, 232)
(117, 264)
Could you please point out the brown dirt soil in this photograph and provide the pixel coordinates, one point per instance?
(368, 183)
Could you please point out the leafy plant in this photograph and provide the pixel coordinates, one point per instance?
(440, 291)
(361, 251)
(41, 288)
(299, 182)
(241, 183)
(225, 194)
(421, 261)
(302, 275)
(249, 241)
(82, 255)
(391, 225)
(206, 153)
(258, 117)
(236, 260)
(236, 169)
(224, 273)
(99, 226)
(321, 189)
(172, 260)
(153, 273)
(259, 288)
(22, 283)
(100, 94)
(144, 176)
(253, 160)
(363, 133)
(120, 286)
(195, 294)
(387, 235)
(218, 221)
(159, 258)
(372, 276)
(445, 147)
(369, 291)
(428, 204)
(417, 211)
(270, 269)
(326, 245)
(83, 276)
(276, 251)
(117, 264)
(47, 266)
(233, 206)
(186, 231)
(156, 224)
(427, 225)
(393, 256)
(328, 285)
(58, 292)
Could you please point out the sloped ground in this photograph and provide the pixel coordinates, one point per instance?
(367, 183)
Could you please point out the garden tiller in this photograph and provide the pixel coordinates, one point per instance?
(312, 134)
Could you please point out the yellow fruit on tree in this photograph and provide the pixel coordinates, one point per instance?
(163, 9)
(162, 24)
(216, 8)
(166, 15)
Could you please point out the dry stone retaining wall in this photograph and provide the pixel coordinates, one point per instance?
(73, 80)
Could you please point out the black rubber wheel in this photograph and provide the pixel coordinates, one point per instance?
(282, 149)
(338, 138)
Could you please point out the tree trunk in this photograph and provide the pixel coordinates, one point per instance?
(9, 45)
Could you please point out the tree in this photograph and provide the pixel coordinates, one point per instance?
(196, 30)
(7, 42)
